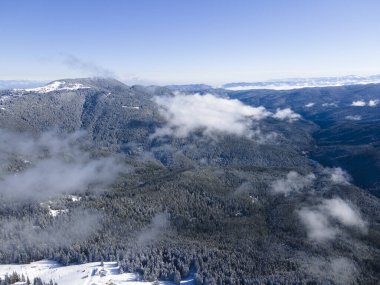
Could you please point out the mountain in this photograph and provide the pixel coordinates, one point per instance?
(220, 186)
(295, 83)
(10, 84)
(190, 87)
(348, 125)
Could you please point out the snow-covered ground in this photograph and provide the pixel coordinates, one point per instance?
(55, 86)
(83, 274)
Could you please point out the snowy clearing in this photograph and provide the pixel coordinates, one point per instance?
(55, 86)
(83, 274)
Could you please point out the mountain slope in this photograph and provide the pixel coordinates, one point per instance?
(198, 198)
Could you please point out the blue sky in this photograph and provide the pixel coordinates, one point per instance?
(183, 41)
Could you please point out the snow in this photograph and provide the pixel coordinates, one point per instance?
(82, 274)
(74, 198)
(55, 213)
(4, 98)
(55, 86)
(131, 107)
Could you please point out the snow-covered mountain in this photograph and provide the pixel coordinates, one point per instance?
(55, 86)
(295, 83)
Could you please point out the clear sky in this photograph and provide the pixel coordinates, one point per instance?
(184, 41)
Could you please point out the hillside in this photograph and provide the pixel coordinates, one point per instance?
(197, 185)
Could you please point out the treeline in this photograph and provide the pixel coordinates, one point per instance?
(15, 277)
(215, 234)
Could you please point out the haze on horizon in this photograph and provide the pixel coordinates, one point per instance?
(164, 42)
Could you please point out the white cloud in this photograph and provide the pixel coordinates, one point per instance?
(214, 115)
(309, 105)
(338, 175)
(354, 118)
(286, 114)
(320, 221)
(293, 182)
(373, 103)
(317, 224)
(358, 103)
(188, 113)
(343, 212)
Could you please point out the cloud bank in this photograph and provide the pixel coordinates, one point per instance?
(51, 164)
(293, 182)
(212, 115)
(320, 221)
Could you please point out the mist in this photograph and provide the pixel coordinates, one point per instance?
(87, 67)
(64, 230)
(154, 231)
(321, 221)
(337, 175)
(50, 164)
(293, 182)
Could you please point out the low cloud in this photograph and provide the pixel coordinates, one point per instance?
(50, 164)
(358, 103)
(244, 188)
(87, 67)
(154, 231)
(329, 105)
(345, 213)
(354, 118)
(286, 114)
(293, 182)
(309, 105)
(339, 270)
(62, 231)
(320, 221)
(213, 115)
(337, 175)
(361, 103)
(373, 103)
(317, 224)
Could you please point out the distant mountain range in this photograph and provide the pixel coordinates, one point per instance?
(277, 84)
(10, 84)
